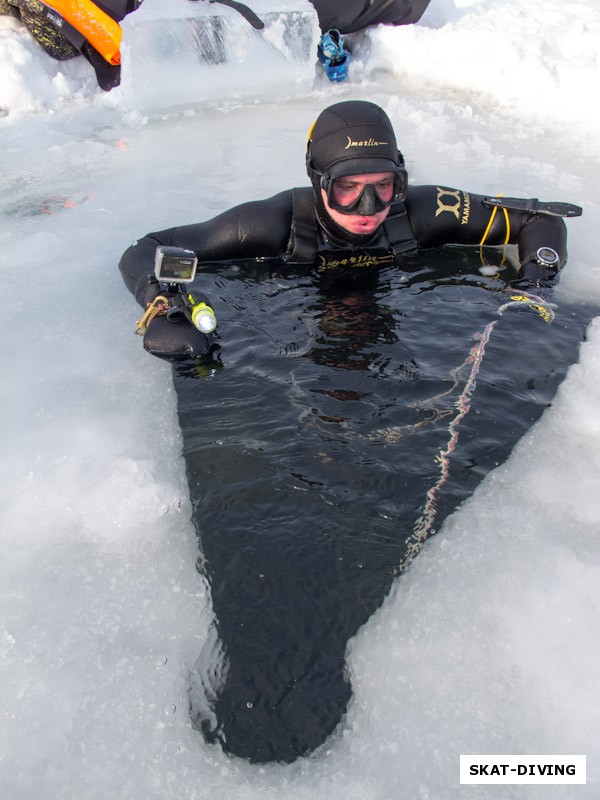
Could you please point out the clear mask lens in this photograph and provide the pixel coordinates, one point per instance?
(354, 197)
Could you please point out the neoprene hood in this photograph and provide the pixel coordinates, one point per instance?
(352, 138)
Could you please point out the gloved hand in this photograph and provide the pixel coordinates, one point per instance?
(533, 276)
(151, 292)
(172, 336)
(176, 340)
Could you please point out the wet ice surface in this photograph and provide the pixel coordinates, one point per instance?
(488, 643)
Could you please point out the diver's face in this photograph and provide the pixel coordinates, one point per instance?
(347, 190)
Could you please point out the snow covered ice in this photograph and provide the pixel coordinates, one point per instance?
(490, 643)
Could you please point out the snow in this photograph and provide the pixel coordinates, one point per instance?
(490, 642)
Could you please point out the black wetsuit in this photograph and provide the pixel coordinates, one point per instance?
(354, 15)
(286, 227)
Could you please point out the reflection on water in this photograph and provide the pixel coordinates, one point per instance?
(310, 454)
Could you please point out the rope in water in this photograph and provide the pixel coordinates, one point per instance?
(424, 526)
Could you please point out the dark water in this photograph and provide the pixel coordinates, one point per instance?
(310, 453)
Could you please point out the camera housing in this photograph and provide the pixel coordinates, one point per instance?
(175, 264)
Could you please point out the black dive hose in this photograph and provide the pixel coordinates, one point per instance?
(246, 12)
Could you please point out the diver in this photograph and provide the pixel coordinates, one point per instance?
(359, 215)
(65, 30)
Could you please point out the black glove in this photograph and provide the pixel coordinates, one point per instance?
(151, 292)
(534, 276)
(176, 340)
(173, 336)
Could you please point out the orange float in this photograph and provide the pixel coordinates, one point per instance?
(100, 30)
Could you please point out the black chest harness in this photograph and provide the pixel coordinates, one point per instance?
(308, 243)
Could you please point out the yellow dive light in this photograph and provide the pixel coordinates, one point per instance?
(203, 317)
